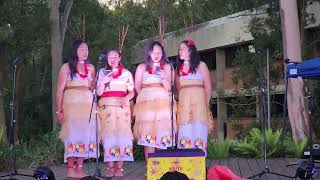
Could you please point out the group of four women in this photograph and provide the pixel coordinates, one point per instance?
(153, 108)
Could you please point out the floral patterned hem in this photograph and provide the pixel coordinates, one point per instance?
(80, 150)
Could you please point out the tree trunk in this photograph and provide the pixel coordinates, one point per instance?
(17, 99)
(302, 14)
(4, 137)
(58, 28)
(297, 110)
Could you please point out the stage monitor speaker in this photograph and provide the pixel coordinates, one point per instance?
(315, 152)
(189, 162)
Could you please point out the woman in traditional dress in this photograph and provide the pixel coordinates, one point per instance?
(73, 104)
(194, 87)
(152, 127)
(116, 89)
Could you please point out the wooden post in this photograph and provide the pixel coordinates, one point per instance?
(221, 105)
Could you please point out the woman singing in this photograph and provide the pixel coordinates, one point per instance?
(116, 89)
(152, 126)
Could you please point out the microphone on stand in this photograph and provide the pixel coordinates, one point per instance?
(16, 61)
(101, 57)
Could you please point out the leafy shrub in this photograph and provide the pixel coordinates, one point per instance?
(252, 145)
(5, 156)
(1, 133)
(218, 148)
(138, 152)
(295, 148)
(47, 150)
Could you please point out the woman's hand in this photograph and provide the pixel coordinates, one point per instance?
(123, 101)
(163, 75)
(60, 117)
(106, 79)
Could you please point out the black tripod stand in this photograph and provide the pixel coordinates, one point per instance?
(262, 98)
(312, 102)
(14, 171)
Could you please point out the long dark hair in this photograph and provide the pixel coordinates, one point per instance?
(147, 58)
(107, 54)
(194, 56)
(72, 58)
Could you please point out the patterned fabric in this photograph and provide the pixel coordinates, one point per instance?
(77, 133)
(115, 119)
(193, 117)
(123, 83)
(153, 114)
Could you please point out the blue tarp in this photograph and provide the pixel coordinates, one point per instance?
(309, 69)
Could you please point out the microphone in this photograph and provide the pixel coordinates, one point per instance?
(16, 61)
(107, 72)
(102, 56)
(158, 69)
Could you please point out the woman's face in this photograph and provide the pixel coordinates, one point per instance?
(113, 59)
(184, 52)
(156, 54)
(82, 52)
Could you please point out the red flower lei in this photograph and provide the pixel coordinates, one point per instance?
(120, 68)
(161, 67)
(86, 71)
(182, 73)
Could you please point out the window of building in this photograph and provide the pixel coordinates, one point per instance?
(209, 57)
(277, 105)
(230, 56)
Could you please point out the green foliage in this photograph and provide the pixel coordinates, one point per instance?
(240, 130)
(47, 150)
(218, 148)
(5, 156)
(295, 148)
(247, 149)
(2, 130)
(138, 151)
(252, 145)
(266, 32)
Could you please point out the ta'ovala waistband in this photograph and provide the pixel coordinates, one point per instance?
(77, 87)
(152, 85)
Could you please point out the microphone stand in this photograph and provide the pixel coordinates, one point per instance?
(262, 97)
(13, 121)
(95, 103)
(173, 139)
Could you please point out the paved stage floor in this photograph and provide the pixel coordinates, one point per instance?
(136, 170)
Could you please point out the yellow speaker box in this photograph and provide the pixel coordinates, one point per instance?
(190, 162)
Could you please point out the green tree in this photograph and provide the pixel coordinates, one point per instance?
(58, 27)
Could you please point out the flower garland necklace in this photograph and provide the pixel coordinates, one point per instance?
(86, 71)
(182, 73)
(150, 68)
(120, 68)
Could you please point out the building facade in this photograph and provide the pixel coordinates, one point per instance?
(217, 41)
